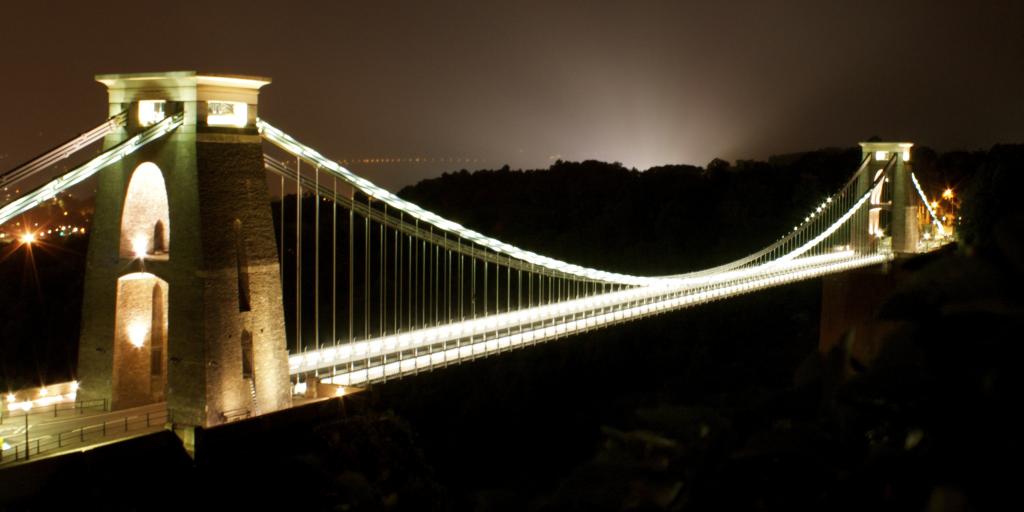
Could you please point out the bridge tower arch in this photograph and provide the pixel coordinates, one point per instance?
(162, 317)
(891, 216)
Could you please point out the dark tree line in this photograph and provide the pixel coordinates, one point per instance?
(667, 219)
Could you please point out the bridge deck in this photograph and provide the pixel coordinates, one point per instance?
(399, 354)
(50, 435)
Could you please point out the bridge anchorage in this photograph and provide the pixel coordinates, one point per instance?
(203, 293)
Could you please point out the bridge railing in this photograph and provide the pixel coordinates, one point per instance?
(82, 436)
(433, 353)
(552, 313)
(54, 410)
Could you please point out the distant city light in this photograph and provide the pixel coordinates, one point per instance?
(27, 238)
(947, 194)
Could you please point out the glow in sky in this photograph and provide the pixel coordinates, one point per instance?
(524, 83)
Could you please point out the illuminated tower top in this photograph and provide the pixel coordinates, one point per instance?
(208, 100)
(882, 151)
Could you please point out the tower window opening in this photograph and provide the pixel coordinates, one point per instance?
(158, 332)
(159, 241)
(152, 111)
(247, 355)
(242, 268)
(145, 219)
(227, 113)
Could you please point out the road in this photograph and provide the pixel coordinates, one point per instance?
(71, 430)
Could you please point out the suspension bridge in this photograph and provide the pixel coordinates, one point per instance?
(232, 268)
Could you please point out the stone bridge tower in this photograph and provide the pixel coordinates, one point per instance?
(182, 298)
(891, 216)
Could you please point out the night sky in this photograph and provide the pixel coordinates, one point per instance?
(524, 83)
